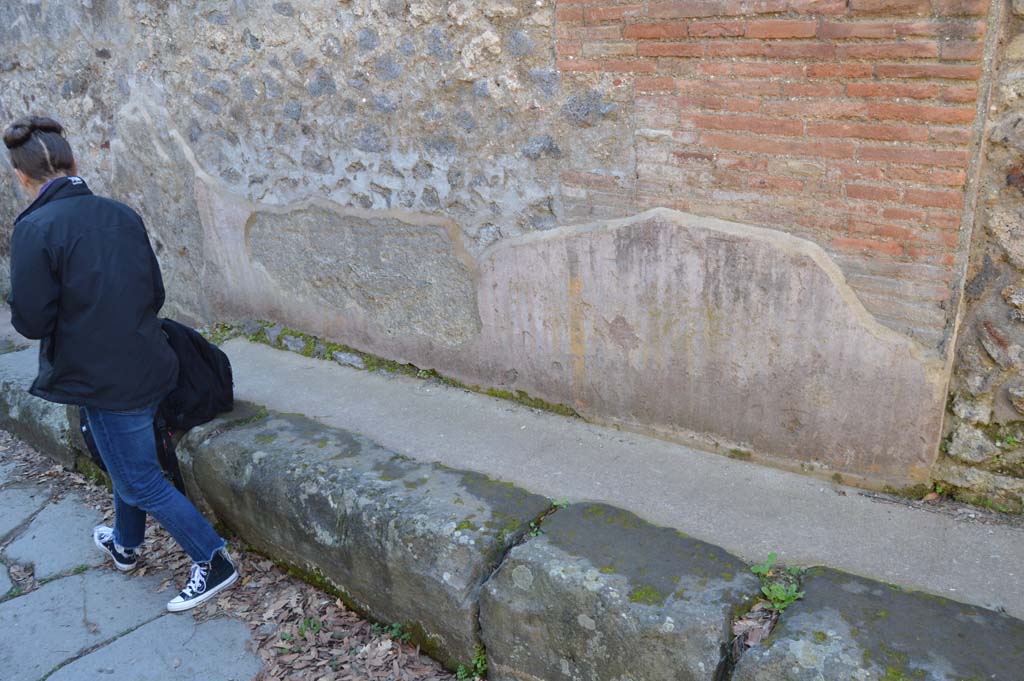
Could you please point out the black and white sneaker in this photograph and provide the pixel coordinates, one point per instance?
(125, 560)
(205, 581)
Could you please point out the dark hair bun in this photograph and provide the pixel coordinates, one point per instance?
(20, 131)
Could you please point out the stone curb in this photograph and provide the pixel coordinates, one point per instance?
(42, 424)
(403, 541)
(848, 627)
(592, 593)
(612, 597)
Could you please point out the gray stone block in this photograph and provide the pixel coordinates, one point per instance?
(62, 619)
(5, 581)
(171, 648)
(406, 541)
(58, 540)
(42, 424)
(848, 627)
(17, 504)
(602, 594)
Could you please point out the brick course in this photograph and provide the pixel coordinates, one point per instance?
(848, 123)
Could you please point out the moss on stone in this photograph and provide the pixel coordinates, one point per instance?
(92, 472)
(910, 492)
(524, 398)
(646, 595)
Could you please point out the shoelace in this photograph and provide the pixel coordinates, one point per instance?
(197, 579)
(108, 535)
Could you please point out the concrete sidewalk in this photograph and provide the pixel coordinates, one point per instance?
(748, 509)
(87, 621)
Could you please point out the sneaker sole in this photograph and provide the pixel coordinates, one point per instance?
(199, 600)
(120, 566)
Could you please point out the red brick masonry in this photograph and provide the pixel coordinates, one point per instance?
(848, 123)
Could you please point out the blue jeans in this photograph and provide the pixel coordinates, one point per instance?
(128, 448)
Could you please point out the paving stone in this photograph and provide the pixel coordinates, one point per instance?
(848, 627)
(60, 620)
(603, 595)
(408, 542)
(7, 469)
(17, 504)
(5, 581)
(172, 648)
(59, 539)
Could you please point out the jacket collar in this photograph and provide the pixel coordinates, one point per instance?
(61, 188)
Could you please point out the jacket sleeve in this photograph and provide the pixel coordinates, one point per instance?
(35, 283)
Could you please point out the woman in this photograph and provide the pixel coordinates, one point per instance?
(86, 283)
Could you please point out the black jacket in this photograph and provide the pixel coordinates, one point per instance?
(85, 281)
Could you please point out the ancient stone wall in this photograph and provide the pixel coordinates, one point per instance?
(983, 457)
(407, 177)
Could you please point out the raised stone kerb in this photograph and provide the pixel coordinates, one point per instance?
(687, 325)
(406, 542)
(847, 627)
(42, 424)
(603, 595)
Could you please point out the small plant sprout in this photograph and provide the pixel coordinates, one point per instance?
(764, 569)
(781, 596)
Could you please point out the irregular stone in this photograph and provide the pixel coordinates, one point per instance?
(293, 343)
(1015, 50)
(251, 327)
(322, 84)
(273, 333)
(1016, 395)
(847, 627)
(42, 424)
(999, 345)
(66, 617)
(58, 540)
(1014, 295)
(971, 445)
(17, 504)
(349, 358)
(982, 278)
(604, 595)
(587, 109)
(1006, 224)
(975, 370)
(367, 39)
(972, 411)
(977, 480)
(543, 145)
(168, 650)
(407, 542)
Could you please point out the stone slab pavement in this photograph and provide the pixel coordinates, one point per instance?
(86, 620)
(750, 510)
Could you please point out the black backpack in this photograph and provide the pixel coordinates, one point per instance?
(205, 385)
(205, 389)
